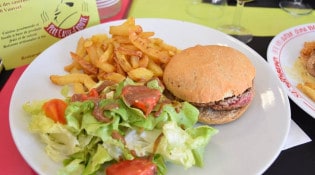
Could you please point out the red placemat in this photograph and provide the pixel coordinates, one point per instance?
(11, 162)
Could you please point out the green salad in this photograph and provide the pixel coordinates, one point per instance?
(113, 125)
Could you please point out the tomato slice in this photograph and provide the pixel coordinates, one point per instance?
(55, 109)
(132, 167)
(141, 97)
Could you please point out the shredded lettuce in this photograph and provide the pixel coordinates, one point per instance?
(86, 145)
(182, 146)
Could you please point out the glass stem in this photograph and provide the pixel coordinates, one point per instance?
(238, 12)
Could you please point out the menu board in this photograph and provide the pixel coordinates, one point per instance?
(30, 26)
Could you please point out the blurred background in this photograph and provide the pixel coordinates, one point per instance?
(267, 3)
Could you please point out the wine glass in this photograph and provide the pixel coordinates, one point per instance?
(236, 29)
(209, 10)
(295, 7)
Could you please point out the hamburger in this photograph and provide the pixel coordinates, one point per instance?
(218, 80)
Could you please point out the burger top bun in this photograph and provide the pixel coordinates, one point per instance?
(208, 73)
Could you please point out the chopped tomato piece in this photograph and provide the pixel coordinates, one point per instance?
(55, 109)
(141, 97)
(92, 94)
(132, 167)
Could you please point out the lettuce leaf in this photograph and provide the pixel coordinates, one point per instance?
(181, 146)
(142, 142)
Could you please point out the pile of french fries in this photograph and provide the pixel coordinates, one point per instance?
(129, 52)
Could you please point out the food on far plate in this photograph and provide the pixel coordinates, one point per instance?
(305, 66)
(127, 51)
(217, 79)
(307, 57)
(117, 128)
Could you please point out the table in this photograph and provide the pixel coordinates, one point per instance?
(296, 160)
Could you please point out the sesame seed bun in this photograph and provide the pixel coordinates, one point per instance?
(209, 73)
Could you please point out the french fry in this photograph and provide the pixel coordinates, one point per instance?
(87, 43)
(144, 61)
(140, 74)
(146, 34)
(80, 50)
(86, 66)
(147, 47)
(155, 68)
(125, 28)
(115, 77)
(131, 51)
(309, 84)
(308, 91)
(106, 67)
(119, 69)
(77, 87)
(73, 65)
(85, 79)
(108, 54)
(92, 52)
(121, 39)
(134, 61)
(171, 49)
(122, 61)
(99, 38)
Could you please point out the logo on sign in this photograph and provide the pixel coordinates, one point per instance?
(68, 18)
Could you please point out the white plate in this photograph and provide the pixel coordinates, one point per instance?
(246, 146)
(283, 51)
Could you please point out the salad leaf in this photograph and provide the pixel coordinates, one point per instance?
(186, 117)
(73, 168)
(98, 158)
(74, 113)
(142, 142)
(201, 135)
(178, 145)
(156, 84)
(160, 162)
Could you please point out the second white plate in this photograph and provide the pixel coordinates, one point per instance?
(283, 50)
